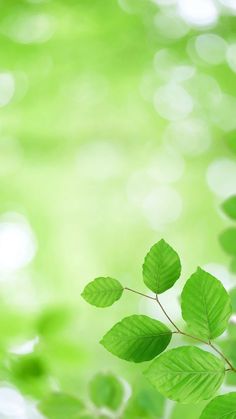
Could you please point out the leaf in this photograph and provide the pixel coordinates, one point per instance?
(61, 406)
(186, 374)
(206, 306)
(137, 338)
(106, 390)
(228, 240)
(102, 292)
(161, 267)
(222, 407)
(229, 207)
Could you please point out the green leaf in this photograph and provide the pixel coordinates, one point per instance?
(186, 374)
(61, 406)
(161, 267)
(137, 338)
(102, 292)
(228, 240)
(106, 390)
(206, 306)
(222, 407)
(229, 207)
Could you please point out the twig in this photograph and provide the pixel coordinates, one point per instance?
(140, 293)
(179, 331)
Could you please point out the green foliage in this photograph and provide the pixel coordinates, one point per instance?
(61, 406)
(222, 407)
(161, 267)
(206, 306)
(137, 338)
(229, 207)
(228, 240)
(186, 374)
(106, 391)
(102, 292)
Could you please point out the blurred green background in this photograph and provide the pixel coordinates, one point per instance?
(117, 128)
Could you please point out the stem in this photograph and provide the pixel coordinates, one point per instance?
(168, 317)
(196, 338)
(139, 293)
(178, 330)
(223, 356)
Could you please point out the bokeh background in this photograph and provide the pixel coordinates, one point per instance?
(117, 128)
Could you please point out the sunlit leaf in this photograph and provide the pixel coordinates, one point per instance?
(206, 306)
(229, 207)
(228, 240)
(106, 391)
(186, 374)
(137, 338)
(61, 406)
(222, 407)
(102, 292)
(161, 267)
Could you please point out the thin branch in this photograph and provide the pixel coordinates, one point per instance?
(168, 317)
(140, 293)
(178, 330)
(223, 356)
(196, 338)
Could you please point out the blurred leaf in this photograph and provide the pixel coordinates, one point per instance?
(186, 374)
(145, 403)
(231, 140)
(221, 407)
(229, 207)
(102, 292)
(106, 390)
(137, 338)
(206, 306)
(61, 406)
(30, 374)
(228, 240)
(52, 321)
(161, 267)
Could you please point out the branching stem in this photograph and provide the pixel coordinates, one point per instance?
(179, 331)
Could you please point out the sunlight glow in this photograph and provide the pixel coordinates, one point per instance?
(17, 243)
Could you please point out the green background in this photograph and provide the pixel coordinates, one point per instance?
(96, 165)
